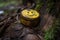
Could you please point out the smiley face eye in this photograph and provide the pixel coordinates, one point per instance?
(32, 12)
(27, 12)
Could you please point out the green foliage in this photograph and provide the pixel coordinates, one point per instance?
(50, 4)
(49, 34)
(39, 4)
(5, 3)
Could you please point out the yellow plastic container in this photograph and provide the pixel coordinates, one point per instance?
(29, 17)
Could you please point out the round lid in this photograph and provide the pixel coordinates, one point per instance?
(30, 13)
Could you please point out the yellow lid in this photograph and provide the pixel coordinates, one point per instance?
(30, 13)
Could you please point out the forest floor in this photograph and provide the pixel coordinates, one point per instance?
(46, 20)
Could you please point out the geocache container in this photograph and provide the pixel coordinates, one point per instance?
(29, 17)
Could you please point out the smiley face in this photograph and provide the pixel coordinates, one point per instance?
(30, 13)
